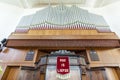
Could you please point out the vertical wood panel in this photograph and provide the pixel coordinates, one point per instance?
(16, 56)
(42, 76)
(11, 73)
(29, 75)
(95, 75)
(118, 72)
(108, 57)
(112, 75)
(66, 32)
(104, 75)
(86, 77)
(11, 55)
(100, 75)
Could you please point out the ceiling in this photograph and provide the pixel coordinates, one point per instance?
(40, 3)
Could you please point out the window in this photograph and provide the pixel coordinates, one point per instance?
(93, 55)
(29, 56)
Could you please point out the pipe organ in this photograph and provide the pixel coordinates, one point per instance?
(62, 17)
(61, 43)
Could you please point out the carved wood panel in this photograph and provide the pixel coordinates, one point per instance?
(29, 75)
(96, 75)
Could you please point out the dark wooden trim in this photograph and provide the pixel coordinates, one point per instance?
(28, 68)
(96, 68)
(57, 43)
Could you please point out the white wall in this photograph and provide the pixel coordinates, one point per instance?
(111, 13)
(9, 17)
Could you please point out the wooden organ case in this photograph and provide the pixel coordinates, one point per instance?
(30, 53)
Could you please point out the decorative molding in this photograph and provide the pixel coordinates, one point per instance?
(62, 52)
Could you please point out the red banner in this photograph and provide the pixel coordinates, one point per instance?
(63, 65)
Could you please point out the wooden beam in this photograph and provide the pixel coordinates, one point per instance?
(63, 37)
(76, 43)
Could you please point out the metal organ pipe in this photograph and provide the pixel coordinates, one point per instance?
(63, 18)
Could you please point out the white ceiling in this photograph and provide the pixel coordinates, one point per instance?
(39, 3)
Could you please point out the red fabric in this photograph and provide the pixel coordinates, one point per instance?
(63, 65)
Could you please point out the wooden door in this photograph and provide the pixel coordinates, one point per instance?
(11, 73)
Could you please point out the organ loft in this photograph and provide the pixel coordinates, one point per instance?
(61, 43)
